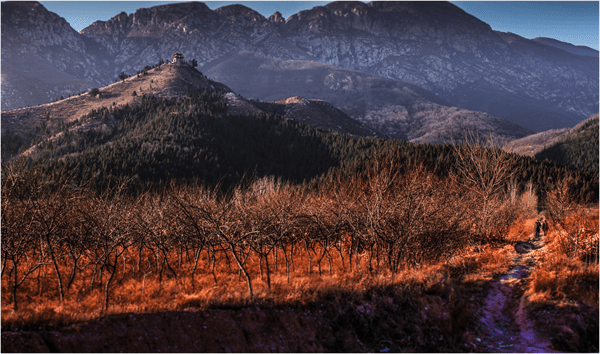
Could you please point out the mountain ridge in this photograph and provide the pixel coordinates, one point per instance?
(435, 46)
(168, 82)
(392, 107)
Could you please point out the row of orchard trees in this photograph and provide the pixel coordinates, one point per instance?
(381, 220)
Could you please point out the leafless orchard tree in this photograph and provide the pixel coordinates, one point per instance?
(486, 170)
(108, 221)
(26, 230)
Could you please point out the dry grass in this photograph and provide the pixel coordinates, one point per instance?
(562, 295)
(161, 82)
(567, 270)
(40, 307)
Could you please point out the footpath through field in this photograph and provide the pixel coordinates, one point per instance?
(504, 326)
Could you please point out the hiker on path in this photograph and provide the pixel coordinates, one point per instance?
(537, 228)
(545, 227)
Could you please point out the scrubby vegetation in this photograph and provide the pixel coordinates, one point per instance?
(563, 292)
(68, 246)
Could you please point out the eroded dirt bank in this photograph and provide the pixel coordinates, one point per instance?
(244, 330)
(384, 319)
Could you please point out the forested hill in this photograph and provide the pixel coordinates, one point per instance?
(579, 149)
(192, 139)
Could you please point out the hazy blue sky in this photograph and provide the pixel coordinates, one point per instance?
(574, 22)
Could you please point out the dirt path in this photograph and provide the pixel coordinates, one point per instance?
(505, 327)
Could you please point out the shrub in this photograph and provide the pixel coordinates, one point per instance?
(94, 92)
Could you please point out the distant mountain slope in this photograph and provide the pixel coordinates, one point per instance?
(317, 113)
(43, 58)
(578, 148)
(433, 45)
(392, 107)
(532, 144)
(568, 47)
(187, 139)
(193, 139)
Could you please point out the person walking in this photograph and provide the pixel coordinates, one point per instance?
(537, 228)
(545, 227)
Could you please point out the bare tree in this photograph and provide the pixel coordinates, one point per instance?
(108, 222)
(486, 170)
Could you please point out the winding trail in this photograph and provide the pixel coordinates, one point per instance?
(503, 317)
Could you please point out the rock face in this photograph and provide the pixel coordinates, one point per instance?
(43, 57)
(433, 45)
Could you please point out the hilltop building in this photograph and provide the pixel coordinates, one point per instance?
(178, 58)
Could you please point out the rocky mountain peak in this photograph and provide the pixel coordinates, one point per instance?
(22, 19)
(432, 45)
(149, 19)
(277, 17)
(438, 22)
(239, 12)
(170, 15)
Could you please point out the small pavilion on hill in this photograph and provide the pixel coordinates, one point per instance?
(178, 58)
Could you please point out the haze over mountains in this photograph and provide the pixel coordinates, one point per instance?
(390, 65)
(394, 108)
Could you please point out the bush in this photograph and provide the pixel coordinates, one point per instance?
(94, 92)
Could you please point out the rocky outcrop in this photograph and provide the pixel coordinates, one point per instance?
(277, 17)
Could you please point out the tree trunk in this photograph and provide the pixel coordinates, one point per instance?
(268, 272)
(309, 257)
(275, 259)
(60, 287)
(15, 286)
(242, 269)
(106, 288)
(212, 250)
(287, 264)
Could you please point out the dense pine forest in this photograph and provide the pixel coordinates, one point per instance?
(580, 150)
(192, 139)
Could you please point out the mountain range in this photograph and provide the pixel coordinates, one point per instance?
(393, 66)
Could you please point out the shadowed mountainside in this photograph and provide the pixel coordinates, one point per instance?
(535, 144)
(568, 47)
(577, 148)
(392, 107)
